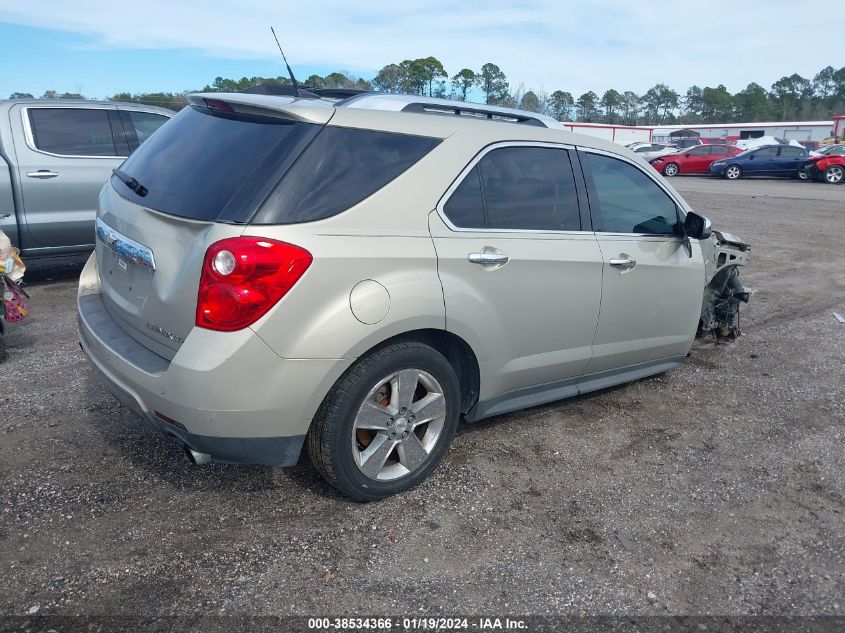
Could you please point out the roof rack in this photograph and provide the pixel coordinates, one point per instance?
(463, 110)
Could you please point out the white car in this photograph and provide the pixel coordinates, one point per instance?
(650, 151)
(751, 143)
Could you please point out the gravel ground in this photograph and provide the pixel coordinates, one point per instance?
(714, 489)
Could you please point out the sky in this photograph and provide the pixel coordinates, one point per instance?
(101, 48)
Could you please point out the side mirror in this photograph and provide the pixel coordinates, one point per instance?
(697, 226)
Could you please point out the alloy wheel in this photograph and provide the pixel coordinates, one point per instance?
(670, 170)
(834, 174)
(732, 172)
(398, 424)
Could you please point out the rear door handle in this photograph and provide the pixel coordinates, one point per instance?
(486, 258)
(624, 264)
(43, 174)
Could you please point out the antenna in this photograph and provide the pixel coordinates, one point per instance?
(290, 72)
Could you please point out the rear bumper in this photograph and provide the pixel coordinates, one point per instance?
(226, 394)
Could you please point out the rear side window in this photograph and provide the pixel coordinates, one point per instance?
(72, 131)
(766, 152)
(340, 168)
(624, 200)
(518, 188)
(213, 165)
(140, 125)
(791, 152)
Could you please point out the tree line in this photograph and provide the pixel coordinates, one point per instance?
(790, 98)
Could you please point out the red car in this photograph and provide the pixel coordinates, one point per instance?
(826, 168)
(695, 160)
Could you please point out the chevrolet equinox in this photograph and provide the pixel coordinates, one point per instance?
(356, 276)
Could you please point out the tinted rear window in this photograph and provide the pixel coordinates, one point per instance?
(72, 131)
(211, 165)
(340, 168)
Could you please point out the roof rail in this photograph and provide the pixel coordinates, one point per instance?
(460, 109)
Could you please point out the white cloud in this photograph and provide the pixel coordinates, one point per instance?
(545, 44)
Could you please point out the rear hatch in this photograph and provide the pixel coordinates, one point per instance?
(197, 180)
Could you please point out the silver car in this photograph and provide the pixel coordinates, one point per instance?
(355, 277)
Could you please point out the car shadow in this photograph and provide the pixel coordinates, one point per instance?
(41, 270)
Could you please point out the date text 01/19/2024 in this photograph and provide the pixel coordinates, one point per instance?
(377, 624)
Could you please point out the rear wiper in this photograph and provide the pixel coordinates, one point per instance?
(130, 182)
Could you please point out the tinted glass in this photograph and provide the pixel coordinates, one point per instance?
(139, 125)
(72, 131)
(766, 152)
(699, 151)
(529, 188)
(791, 152)
(340, 168)
(465, 207)
(719, 149)
(207, 164)
(624, 200)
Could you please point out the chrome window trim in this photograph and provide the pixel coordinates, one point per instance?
(29, 137)
(124, 246)
(679, 206)
(471, 165)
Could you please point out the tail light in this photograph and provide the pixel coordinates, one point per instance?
(243, 277)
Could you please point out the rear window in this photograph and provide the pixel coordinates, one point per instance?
(213, 165)
(340, 168)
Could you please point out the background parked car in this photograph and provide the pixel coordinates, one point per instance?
(683, 143)
(827, 168)
(773, 160)
(829, 150)
(763, 141)
(55, 156)
(694, 160)
(649, 151)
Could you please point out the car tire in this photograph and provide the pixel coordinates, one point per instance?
(802, 175)
(365, 439)
(834, 174)
(733, 172)
(671, 169)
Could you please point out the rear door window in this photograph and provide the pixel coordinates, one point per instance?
(465, 207)
(623, 199)
(518, 188)
(72, 131)
(766, 152)
(791, 152)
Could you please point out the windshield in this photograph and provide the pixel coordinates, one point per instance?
(208, 164)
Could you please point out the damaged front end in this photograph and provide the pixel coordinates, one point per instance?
(724, 293)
